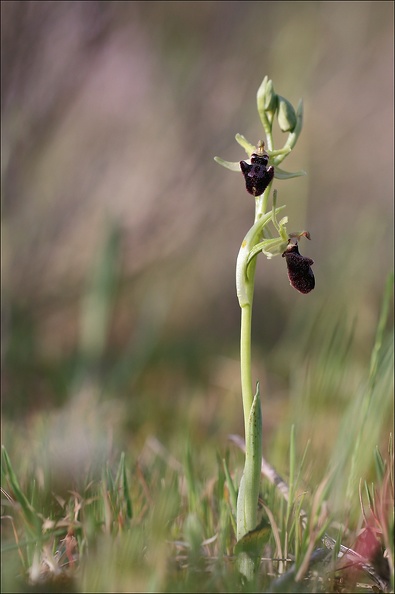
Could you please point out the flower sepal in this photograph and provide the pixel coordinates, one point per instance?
(232, 165)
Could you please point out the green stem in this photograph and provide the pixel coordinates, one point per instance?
(245, 361)
(261, 203)
(267, 126)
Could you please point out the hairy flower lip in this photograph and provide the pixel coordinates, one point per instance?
(257, 174)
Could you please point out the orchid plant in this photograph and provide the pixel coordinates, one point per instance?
(269, 236)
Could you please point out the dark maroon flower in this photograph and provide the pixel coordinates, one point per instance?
(257, 175)
(300, 275)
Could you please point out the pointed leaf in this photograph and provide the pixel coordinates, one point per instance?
(253, 461)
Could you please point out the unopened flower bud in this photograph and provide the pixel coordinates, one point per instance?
(270, 98)
(286, 115)
(266, 97)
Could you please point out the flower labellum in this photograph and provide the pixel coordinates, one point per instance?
(257, 175)
(300, 275)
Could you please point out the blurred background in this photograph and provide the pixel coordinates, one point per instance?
(120, 233)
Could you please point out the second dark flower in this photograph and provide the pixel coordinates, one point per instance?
(300, 275)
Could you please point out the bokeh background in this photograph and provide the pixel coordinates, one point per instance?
(120, 233)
